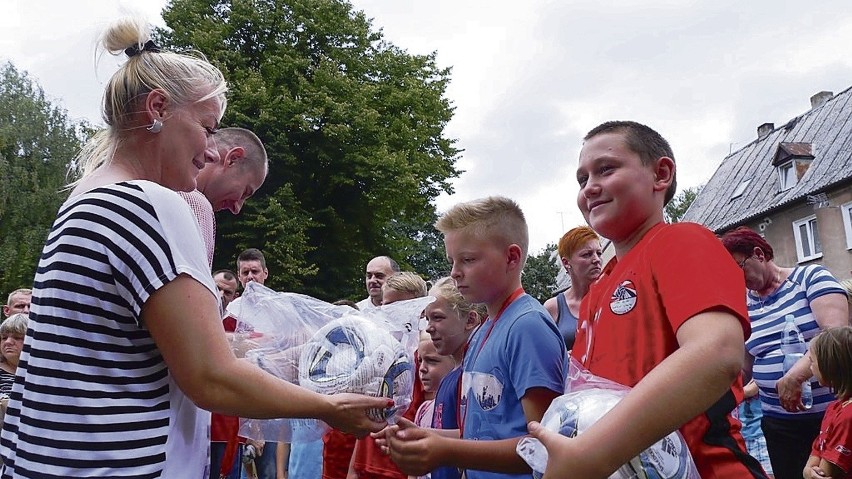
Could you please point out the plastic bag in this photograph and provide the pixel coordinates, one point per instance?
(587, 399)
(328, 349)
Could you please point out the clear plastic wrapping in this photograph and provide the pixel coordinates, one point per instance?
(328, 349)
(587, 399)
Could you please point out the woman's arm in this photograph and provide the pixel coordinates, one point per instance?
(830, 310)
(183, 320)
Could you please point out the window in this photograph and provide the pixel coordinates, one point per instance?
(808, 246)
(787, 175)
(846, 211)
(741, 189)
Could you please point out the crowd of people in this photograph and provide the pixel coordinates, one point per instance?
(113, 363)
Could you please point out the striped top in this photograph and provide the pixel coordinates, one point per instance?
(93, 397)
(794, 296)
(6, 381)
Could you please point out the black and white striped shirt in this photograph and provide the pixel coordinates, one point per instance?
(93, 396)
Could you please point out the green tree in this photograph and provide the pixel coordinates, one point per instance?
(425, 254)
(539, 276)
(37, 142)
(677, 207)
(354, 127)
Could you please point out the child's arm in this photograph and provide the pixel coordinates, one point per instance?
(419, 450)
(830, 470)
(817, 468)
(682, 386)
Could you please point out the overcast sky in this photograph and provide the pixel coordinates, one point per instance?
(531, 77)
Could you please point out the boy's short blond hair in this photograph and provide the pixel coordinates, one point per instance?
(495, 218)
(406, 282)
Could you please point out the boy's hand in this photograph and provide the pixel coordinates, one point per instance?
(415, 450)
(349, 413)
(563, 459)
(381, 441)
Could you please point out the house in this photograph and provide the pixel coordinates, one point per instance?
(793, 185)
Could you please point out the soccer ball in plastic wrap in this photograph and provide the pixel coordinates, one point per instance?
(573, 413)
(352, 354)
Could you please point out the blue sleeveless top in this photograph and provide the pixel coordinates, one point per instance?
(565, 321)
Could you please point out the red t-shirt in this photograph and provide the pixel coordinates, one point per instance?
(834, 443)
(337, 450)
(629, 320)
(370, 462)
(222, 427)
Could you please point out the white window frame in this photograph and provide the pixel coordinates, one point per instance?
(846, 212)
(812, 232)
(787, 172)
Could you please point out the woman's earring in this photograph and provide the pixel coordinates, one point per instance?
(156, 126)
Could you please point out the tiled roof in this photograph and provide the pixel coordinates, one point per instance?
(824, 132)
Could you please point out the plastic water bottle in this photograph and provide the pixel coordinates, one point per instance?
(793, 347)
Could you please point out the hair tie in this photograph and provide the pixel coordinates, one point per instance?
(149, 46)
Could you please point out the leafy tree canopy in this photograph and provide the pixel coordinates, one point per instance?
(539, 276)
(353, 125)
(677, 207)
(37, 142)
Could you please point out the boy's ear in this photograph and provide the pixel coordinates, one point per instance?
(472, 320)
(514, 255)
(664, 172)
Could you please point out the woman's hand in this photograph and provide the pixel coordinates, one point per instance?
(349, 413)
(790, 393)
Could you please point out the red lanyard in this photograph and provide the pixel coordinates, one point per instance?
(512, 297)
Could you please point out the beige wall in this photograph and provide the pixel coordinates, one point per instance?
(778, 231)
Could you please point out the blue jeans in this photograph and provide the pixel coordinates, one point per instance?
(306, 460)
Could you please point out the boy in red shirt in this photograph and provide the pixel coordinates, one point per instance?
(667, 318)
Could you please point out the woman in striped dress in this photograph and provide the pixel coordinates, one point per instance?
(125, 354)
(814, 297)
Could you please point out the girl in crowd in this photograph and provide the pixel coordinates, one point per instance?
(433, 368)
(831, 363)
(452, 319)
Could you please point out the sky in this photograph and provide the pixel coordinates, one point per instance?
(530, 78)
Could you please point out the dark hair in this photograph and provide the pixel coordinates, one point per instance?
(832, 350)
(252, 254)
(642, 140)
(743, 240)
(227, 274)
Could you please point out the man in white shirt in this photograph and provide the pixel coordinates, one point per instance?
(378, 270)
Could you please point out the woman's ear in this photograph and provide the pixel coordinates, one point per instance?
(156, 103)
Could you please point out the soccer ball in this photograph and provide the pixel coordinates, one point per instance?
(351, 354)
(573, 413)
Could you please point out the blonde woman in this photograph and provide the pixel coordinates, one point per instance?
(125, 352)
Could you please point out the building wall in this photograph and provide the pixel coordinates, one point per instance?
(777, 228)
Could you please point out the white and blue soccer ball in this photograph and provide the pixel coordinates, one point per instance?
(573, 413)
(352, 354)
